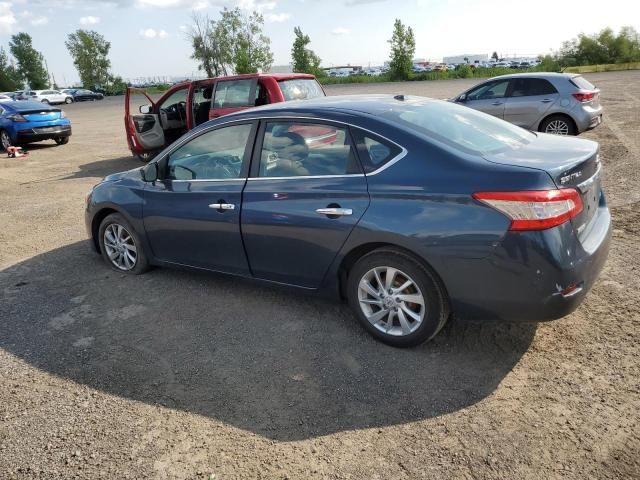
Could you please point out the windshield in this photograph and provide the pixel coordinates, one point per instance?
(459, 126)
(300, 89)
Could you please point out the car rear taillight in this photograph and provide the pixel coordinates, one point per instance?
(584, 96)
(534, 210)
(16, 117)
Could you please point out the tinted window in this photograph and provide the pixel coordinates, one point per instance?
(581, 82)
(459, 126)
(300, 89)
(523, 87)
(489, 90)
(233, 93)
(301, 149)
(215, 155)
(374, 151)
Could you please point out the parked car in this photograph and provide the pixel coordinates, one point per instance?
(189, 104)
(440, 68)
(83, 95)
(28, 121)
(525, 65)
(406, 214)
(558, 103)
(5, 98)
(69, 91)
(50, 96)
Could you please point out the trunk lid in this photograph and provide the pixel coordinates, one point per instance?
(571, 163)
(44, 115)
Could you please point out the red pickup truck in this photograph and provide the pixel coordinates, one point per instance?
(186, 105)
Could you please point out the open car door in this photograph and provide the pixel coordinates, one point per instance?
(145, 134)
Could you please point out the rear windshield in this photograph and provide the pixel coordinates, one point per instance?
(459, 126)
(300, 89)
(581, 82)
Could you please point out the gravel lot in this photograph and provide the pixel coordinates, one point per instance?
(178, 374)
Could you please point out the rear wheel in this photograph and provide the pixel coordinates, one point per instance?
(396, 299)
(62, 140)
(558, 125)
(5, 140)
(68, 100)
(120, 245)
(45, 101)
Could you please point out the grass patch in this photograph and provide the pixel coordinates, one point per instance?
(607, 67)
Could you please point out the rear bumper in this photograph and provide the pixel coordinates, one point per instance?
(587, 118)
(38, 133)
(524, 279)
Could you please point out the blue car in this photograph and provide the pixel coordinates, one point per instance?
(410, 209)
(25, 122)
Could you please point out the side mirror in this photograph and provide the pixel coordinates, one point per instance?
(462, 98)
(150, 172)
(145, 109)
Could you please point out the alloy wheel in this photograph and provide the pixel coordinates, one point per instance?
(558, 127)
(120, 247)
(391, 301)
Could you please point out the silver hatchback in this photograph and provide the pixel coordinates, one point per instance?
(558, 103)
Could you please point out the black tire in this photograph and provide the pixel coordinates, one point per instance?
(141, 264)
(554, 124)
(5, 140)
(68, 100)
(62, 140)
(436, 303)
(45, 101)
(146, 157)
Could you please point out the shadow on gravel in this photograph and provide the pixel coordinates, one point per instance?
(102, 168)
(266, 360)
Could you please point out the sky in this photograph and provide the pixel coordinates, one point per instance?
(148, 37)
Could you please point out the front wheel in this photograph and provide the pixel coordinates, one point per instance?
(146, 157)
(558, 125)
(68, 100)
(45, 101)
(62, 140)
(120, 246)
(396, 299)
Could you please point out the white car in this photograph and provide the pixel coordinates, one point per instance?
(5, 98)
(49, 96)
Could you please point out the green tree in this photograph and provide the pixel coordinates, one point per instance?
(304, 59)
(30, 61)
(90, 53)
(9, 77)
(206, 47)
(403, 47)
(602, 47)
(242, 42)
(494, 56)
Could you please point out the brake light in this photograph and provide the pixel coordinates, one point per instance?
(534, 210)
(16, 117)
(584, 96)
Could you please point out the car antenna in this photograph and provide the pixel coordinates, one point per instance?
(399, 97)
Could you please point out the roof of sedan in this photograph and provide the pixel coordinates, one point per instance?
(370, 104)
(538, 75)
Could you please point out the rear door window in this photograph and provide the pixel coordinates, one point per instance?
(234, 93)
(526, 87)
(297, 149)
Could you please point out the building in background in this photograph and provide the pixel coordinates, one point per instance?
(470, 58)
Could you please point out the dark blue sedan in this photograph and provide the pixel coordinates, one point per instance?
(409, 208)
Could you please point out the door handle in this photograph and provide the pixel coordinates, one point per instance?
(222, 206)
(546, 100)
(338, 212)
(496, 103)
